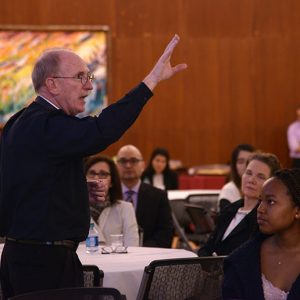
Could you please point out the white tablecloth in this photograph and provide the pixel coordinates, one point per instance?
(182, 194)
(125, 271)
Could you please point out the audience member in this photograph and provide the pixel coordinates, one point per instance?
(151, 204)
(158, 172)
(268, 267)
(44, 206)
(237, 223)
(231, 191)
(293, 137)
(113, 215)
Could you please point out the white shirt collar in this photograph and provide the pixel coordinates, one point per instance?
(135, 188)
(49, 102)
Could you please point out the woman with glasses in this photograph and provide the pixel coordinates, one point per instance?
(112, 216)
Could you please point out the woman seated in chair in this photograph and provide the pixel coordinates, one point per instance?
(237, 223)
(268, 267)
(231, 191)
(113, 216)
(158, 172)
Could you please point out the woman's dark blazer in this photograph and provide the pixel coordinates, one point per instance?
(170, 179)
(242, 274)
(246, 229)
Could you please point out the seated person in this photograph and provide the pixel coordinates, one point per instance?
(112, 216)
(231, 191)
(151, 204)
(158, 172)
(268, 267)
(237, 223)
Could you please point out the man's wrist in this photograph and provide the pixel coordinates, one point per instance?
(149, 82)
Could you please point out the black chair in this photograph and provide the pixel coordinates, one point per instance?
(203, 222)
(185, 278)
(208, 201)
(93, 276)
(179, 231)
(95, 293)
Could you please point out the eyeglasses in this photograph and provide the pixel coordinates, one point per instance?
(132, 161)
(82, 77)
(100, 175)
(118, 250)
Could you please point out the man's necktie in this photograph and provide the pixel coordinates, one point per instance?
(129, 197)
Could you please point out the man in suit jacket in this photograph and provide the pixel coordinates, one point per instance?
(44, 207)
(152, 206)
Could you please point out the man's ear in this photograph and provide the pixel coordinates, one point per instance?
(297, 215)
(51, 85)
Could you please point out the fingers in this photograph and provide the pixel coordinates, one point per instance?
(97, 196)
(96, 189)
(170, 47)
(162, 69)
(179, 68)
(172, 43)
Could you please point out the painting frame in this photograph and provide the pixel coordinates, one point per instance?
(21, 45)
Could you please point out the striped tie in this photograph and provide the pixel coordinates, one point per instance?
(129, 197)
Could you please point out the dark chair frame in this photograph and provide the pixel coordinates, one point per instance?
(98, 275)
(181, 234)
(201, 218)
(208, 201)
(80, 293)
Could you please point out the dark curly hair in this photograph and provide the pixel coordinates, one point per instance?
(291, 179)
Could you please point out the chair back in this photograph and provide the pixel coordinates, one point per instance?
(72, 293)
(185, 278)
(209, 201)
(92, 276)
(201, 218)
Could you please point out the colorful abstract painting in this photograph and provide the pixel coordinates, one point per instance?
(19, 49)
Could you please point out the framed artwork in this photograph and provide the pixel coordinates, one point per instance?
(20, 47)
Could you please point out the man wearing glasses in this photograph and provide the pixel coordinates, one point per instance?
(151, 204)
(44, 207)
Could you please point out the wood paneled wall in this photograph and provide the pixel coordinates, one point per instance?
(243, 80)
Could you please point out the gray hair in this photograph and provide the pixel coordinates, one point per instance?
(47, 65)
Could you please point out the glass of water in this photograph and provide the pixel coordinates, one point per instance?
(116, 241)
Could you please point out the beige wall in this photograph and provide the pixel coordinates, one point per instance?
(242, 84)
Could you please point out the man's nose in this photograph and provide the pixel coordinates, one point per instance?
(88, 85)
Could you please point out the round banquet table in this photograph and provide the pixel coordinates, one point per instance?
(125, 271)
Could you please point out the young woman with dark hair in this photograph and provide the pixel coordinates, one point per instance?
(231, 191)
(268, 267)
(158, 172)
